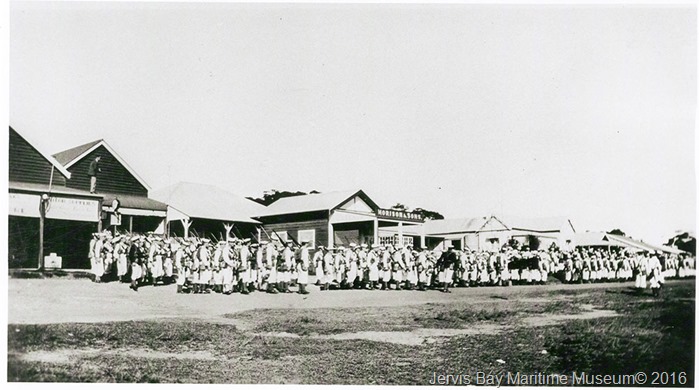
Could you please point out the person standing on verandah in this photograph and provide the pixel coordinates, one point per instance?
(92, 172)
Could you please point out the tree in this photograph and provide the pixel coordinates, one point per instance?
(684, 241)
(271, 196)
(617, 232)
(427, 214)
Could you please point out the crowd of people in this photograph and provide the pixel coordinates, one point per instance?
(201, 266)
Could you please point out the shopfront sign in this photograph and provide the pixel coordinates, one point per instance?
(24, 205)
(72, 209)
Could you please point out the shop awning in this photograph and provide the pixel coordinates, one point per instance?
(453, 236)
(44, 189)
(136, 205)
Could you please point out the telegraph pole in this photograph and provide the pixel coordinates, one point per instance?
(43, 203)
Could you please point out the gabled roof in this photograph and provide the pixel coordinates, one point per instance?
(592, 239)
(73, 155)
(539, 224)
(314, 202)
(67, 156)
(57, 164)
(455, 225)
(208, 202)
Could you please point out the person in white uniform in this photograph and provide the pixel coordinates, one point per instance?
(303, 262)
(120, 249)
(641, 272)
(97, 258)
(318, 263)
(328, 267)
(373, 261)
(386, 267)
(655, 272)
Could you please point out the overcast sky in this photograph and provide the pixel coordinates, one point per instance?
(580, 111)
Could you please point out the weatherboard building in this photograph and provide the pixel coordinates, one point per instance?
(45, 215)
(335, 219)
(491, 233)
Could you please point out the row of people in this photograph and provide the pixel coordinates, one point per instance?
(199, 265)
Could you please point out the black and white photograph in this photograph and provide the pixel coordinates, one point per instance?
(366, 194)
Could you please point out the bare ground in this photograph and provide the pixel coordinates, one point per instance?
(45, 301)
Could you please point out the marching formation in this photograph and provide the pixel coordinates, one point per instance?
(199, 265)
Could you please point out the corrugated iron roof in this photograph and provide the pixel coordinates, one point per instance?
(209, 202)
(71, 154)
(543, 224)
(455, 225)
(593, 239)
(629, 242)
(670, 249)
(306, 203)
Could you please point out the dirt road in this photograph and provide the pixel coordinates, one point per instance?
(42, 301)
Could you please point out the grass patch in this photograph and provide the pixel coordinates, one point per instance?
(431, 315)
(155, 335)
(650, 335)
(444, 317)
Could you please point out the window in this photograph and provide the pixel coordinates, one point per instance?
(307, 235)
(387, 240)
(393, 240)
